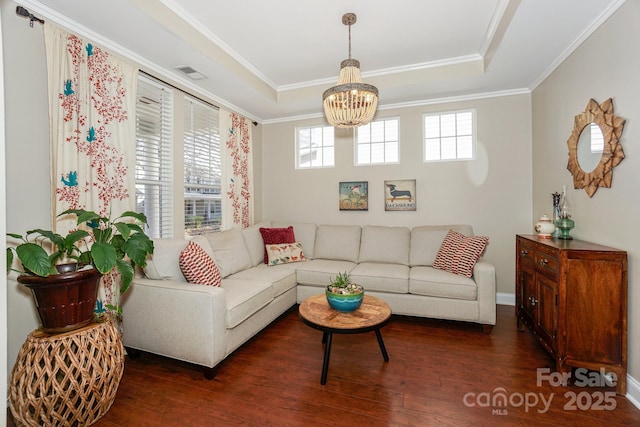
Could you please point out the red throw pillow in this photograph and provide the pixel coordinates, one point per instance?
(458, 253)
(198, 267)
(276, 236)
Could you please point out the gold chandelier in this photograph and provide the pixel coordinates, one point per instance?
(351, 102)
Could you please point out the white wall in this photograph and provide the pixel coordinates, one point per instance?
(492, 193)
(606, 65)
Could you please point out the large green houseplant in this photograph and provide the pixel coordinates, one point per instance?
(97, 247)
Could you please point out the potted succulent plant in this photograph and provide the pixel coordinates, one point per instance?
(344, 295)
(64, 277)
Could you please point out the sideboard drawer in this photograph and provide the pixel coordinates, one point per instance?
(547, 261)
(526, 253)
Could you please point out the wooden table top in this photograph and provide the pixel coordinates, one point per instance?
(316, 312)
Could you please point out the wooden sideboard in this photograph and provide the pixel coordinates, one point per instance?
(572, 295)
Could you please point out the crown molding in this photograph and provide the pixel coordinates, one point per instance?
(193, 22)
(595, 24)
(420, 103)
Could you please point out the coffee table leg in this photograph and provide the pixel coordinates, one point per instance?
(327, 353)
(382, 347)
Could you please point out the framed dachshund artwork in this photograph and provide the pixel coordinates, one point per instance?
(400, 195)
(354, 196)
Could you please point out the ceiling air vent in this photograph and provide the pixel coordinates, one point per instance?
(191, 73)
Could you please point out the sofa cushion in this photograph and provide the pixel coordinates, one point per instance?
(244, 298)
(281, 277)
(284, 253)
(271, 236)
(198, 267)
(163, 264)
(426, 241)
(305, 233)
(253, 240)
(320, 272)
(382, 277)
(432, 282)
(229, 251)
(459, 253)
(385, 244)
(338, 242)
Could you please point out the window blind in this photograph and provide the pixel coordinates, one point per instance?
(154, 165)
(202, 168)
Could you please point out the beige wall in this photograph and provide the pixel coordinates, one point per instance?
(492, 193)
(28, 189)
(605, 66)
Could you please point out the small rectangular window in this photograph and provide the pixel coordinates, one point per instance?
(378, 142)
(315, 147)
(449, 136)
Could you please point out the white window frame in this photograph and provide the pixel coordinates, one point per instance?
(454, 137)
(325, 149)
(363, 138)
(154, 166)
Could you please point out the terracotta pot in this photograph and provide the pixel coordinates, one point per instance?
(64, 301)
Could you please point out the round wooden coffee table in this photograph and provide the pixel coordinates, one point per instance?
(369, 317)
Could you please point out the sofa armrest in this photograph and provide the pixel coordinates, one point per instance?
(176, 319)
(484, 275)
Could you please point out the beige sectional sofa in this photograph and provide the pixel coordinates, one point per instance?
(164, 314)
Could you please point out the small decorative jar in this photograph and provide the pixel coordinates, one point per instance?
(545, 227)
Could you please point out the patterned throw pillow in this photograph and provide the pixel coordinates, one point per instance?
(198, 267)
(271, 236)
(284, 253)
(458, 253)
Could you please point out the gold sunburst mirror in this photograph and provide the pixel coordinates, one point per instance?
(594, 146)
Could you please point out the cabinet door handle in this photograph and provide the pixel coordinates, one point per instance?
(544, 261)
(524, 252)
(533, 301)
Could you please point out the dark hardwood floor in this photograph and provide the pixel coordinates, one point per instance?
(440, 374)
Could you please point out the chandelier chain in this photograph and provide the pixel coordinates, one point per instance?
(349, 40)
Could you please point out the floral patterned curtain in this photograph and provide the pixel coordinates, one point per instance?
(237, 189)
(92, 130)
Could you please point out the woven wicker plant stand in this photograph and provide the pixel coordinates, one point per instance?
(67, 379)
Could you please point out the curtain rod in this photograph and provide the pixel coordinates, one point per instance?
(183, 91)
(21, 11)
(177, 88)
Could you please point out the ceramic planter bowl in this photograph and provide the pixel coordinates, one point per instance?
(344, 302)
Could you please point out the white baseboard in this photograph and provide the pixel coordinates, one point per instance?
(503, 298)
(633, 391)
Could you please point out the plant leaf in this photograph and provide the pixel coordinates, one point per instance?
(104, 257)
(85, 258)
(55, 238)
(83, 216)
(137, 215)
(123, 229)
(126, 275)
(119, 245)
(134, 227)
(34, 258)
(137, 248)
(102, 235)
